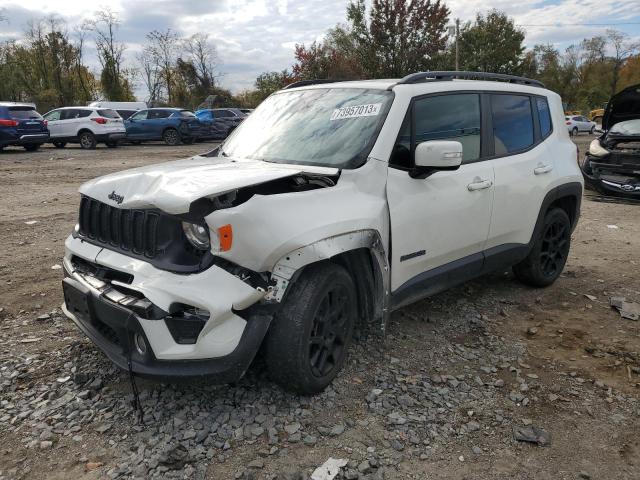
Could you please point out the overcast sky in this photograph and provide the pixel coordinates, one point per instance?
(253, 36)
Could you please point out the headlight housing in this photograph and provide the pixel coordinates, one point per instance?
(197, 234)
(597, 150)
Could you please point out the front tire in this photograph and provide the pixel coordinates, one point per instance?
(574, 132)
(87, 141)
(308, 341)
(171, 137)
(549, 253)
(59, 144)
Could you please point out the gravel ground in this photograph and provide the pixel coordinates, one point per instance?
(445, 395)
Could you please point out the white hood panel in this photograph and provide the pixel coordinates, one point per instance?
(173, 186)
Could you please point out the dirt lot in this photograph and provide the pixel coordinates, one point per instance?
(439, 397)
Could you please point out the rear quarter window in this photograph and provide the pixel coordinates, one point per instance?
(544, 115)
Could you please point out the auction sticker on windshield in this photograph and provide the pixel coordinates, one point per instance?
(355, 111)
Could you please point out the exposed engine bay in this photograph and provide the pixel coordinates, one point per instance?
(612, 163)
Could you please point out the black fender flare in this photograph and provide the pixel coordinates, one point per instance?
(572, 191)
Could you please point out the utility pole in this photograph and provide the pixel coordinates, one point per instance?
(457, 35)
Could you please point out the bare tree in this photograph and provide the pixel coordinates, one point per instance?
(114, 77)
(150, 73)
(162, 50)
(104, 26)
(204, 57)
(623, 49)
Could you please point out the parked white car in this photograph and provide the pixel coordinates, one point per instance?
(331, 204)
(577, 123)
(86, 126)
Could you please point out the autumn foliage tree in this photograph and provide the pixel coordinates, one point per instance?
(391, 39)
(492, 43)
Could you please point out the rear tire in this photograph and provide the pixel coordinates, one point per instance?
(59, 144)
(31, 147)
(308, 341)
(171, 137)
(592, 131)
(574, 132)
(549, 253)
(87, 141)
(188, 140)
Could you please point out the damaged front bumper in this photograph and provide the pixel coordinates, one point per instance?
(169, 325)
(613, 175)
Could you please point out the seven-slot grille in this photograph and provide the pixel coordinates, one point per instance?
(131, 230)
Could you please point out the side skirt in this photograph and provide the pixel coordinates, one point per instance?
(459, 271)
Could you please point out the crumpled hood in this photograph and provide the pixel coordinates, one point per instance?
(624, 105)
(173, 186)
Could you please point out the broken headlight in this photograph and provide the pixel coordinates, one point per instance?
(197, 234)
(597, 150)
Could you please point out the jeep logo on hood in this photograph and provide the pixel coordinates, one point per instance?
(115, 197)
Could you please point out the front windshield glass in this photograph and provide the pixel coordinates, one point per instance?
(332, 127)
(628, 127)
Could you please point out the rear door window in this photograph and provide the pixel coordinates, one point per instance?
(83, 113)
(67, 114)
(512, 123)
(157, 114)
(544, 115)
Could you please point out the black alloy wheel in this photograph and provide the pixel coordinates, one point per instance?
(308, 341)
(331, 326)
(554, 250)
(549, 251)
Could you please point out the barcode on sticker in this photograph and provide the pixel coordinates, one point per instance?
(369, 110)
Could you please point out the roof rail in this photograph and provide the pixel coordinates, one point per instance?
(304, 83)
(446, 75)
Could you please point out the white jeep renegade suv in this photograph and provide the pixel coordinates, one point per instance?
(331, 204)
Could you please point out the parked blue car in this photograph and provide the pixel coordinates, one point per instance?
(220, 122)
(172, 125)
(21, 125)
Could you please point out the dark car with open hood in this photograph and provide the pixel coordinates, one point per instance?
(612, 163)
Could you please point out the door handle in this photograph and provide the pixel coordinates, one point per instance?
(478, 184)
(542, 169)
